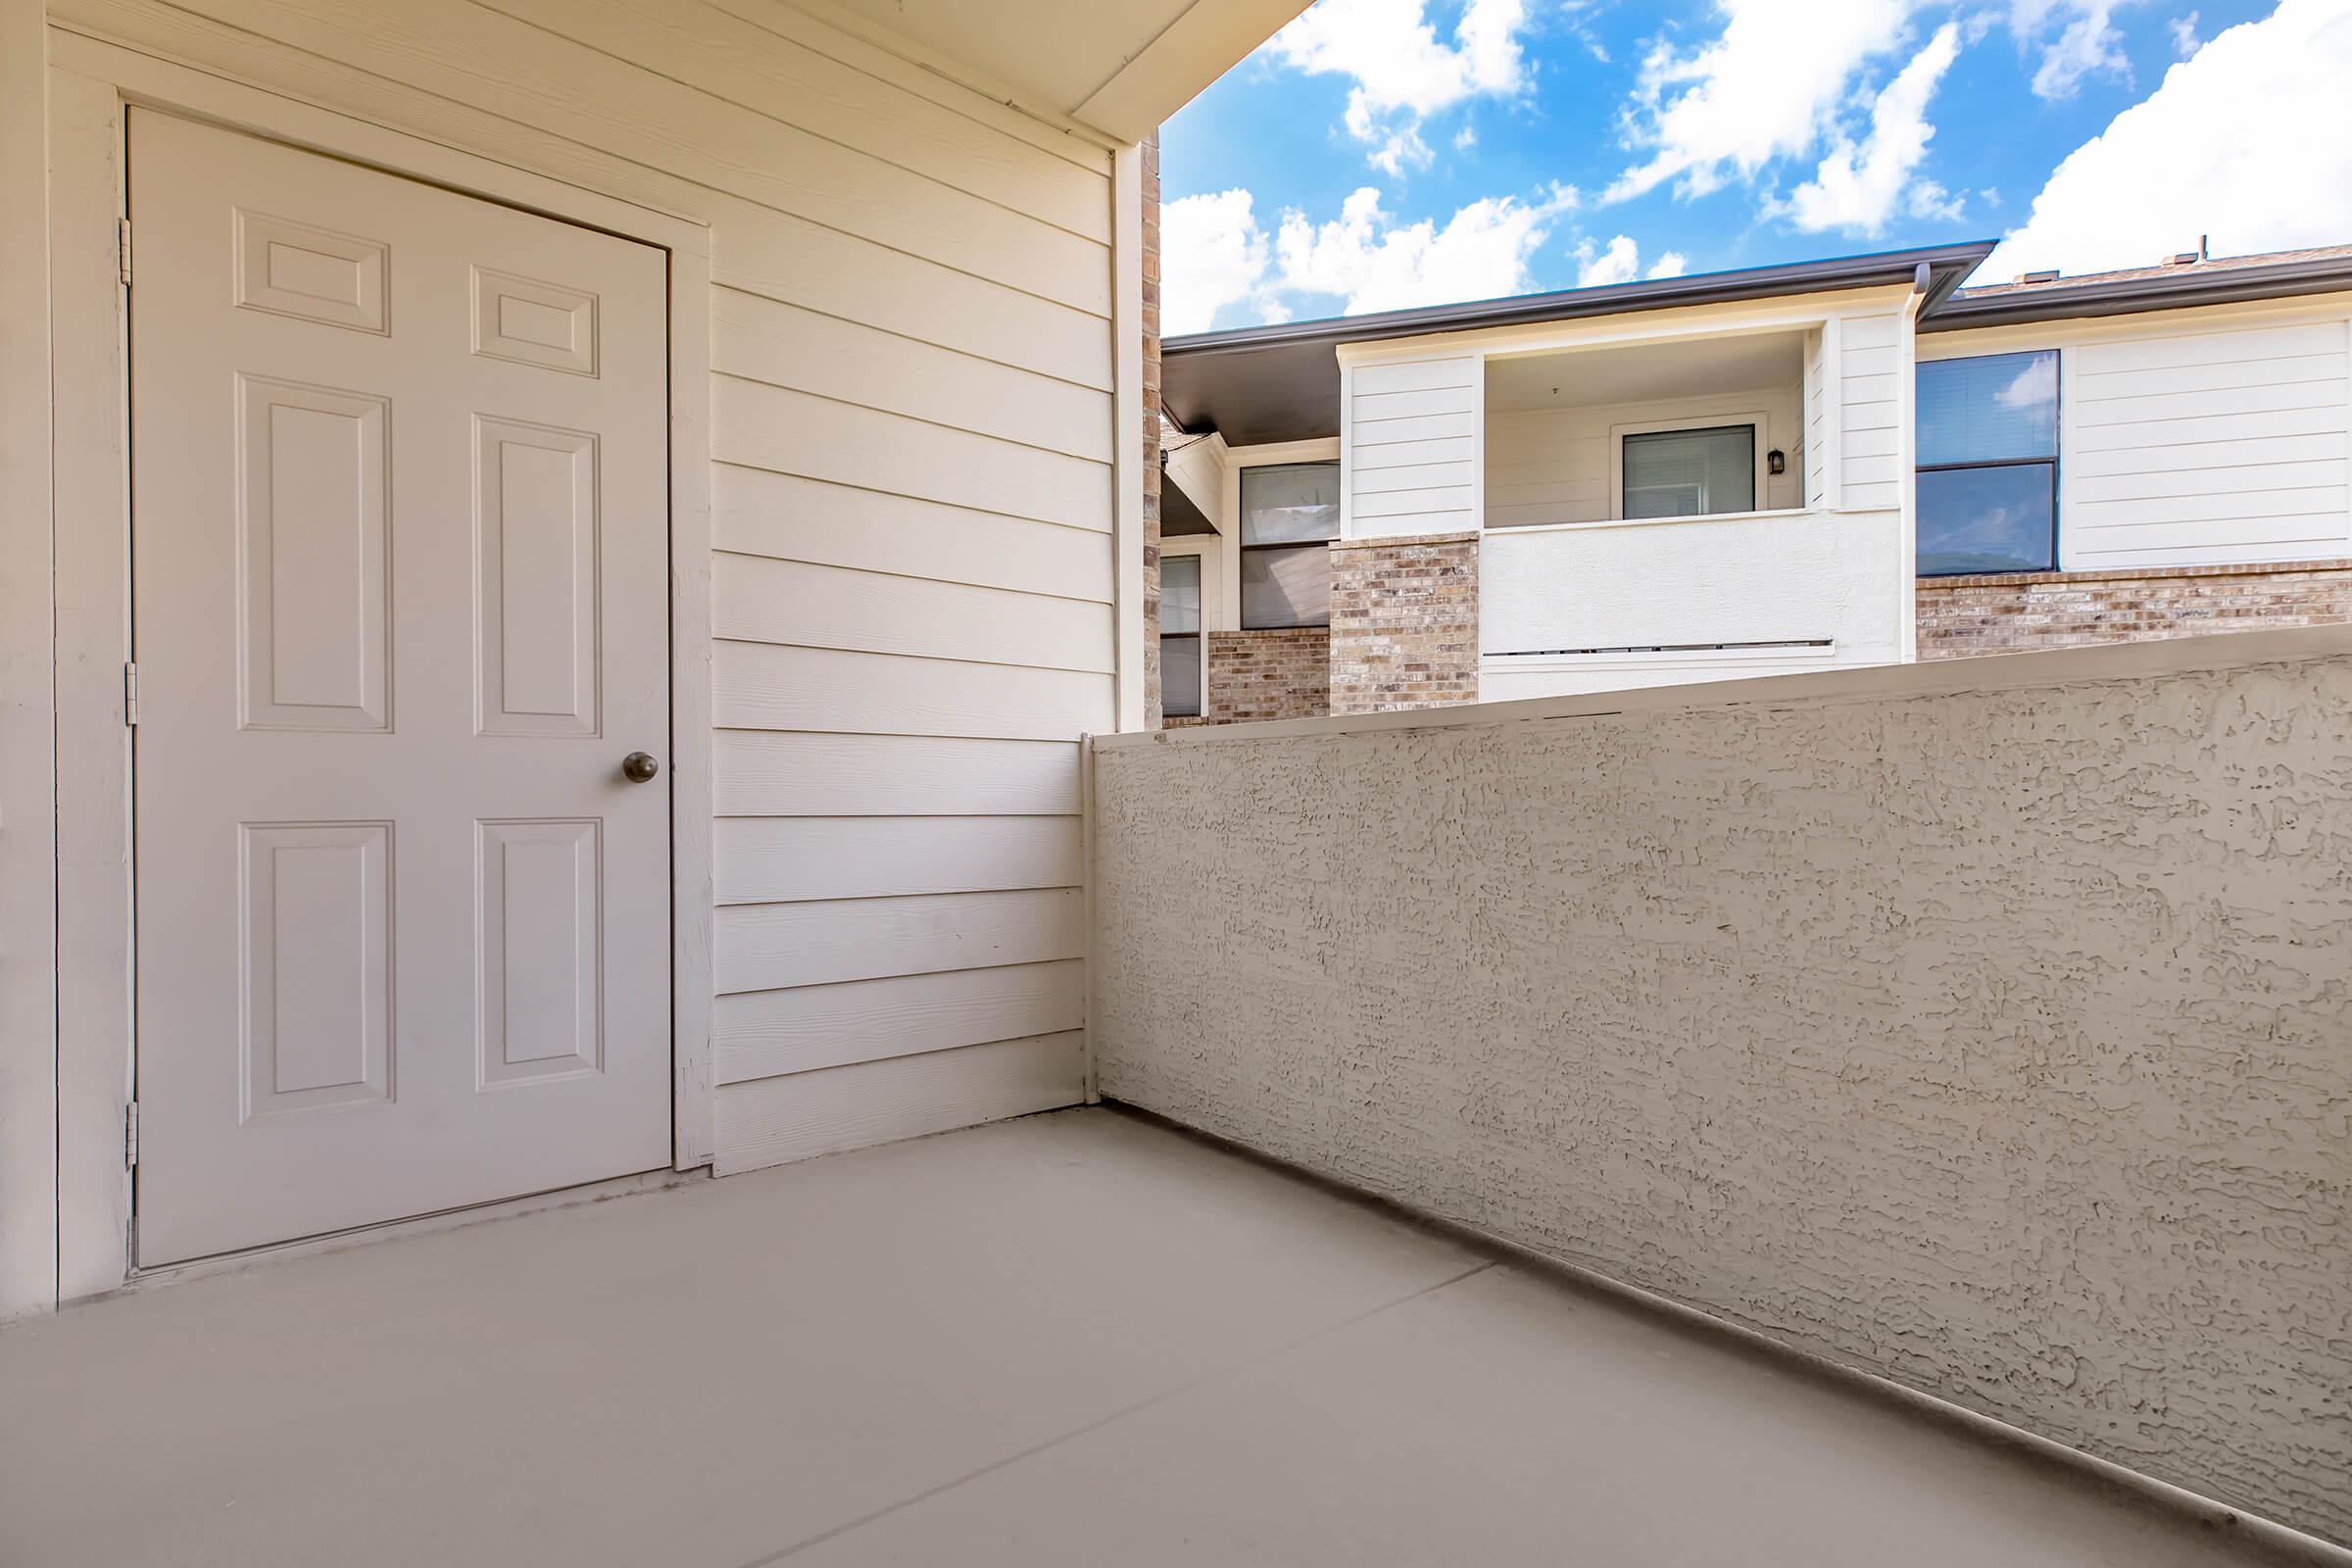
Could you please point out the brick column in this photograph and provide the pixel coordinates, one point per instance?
(1404, 622)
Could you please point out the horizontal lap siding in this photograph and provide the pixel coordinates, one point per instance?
(788, 859)
(1866, 378)
(764, 947)
(763, 1033)
(808, 1113)
(1412, 456)
(799, 773)
(913, 437)
(2207, 449)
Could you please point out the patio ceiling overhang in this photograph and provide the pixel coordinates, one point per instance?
(1118, 66)
(1282, 383)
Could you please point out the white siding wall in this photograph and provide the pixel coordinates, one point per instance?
(1869, 376)
(911, 419)
(1413, 447)
(1552, 464)
(2206, 447)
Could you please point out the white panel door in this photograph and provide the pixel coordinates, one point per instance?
(400, 546)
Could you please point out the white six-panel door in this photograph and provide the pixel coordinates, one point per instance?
(398, 595)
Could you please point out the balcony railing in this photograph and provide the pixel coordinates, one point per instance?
(1601, 605)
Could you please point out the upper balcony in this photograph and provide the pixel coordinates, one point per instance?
(1664, 483)
(1662, 511)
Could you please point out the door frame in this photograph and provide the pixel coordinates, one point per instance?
(92, 82)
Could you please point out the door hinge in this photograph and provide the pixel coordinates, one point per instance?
(131, 694)
(122, 248)
(131, 1135)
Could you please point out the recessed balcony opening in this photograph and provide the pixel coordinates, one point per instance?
(1648, 432)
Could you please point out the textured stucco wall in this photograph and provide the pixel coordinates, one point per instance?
(1995, 1041)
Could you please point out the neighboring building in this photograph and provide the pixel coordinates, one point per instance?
(1837, 463)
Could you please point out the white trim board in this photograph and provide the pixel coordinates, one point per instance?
(90, 84)
(1732, 319)
(28, 1083)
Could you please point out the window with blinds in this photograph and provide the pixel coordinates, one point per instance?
(1287, 511)
(1180, 636)
(1989, 463)
(1689, 473)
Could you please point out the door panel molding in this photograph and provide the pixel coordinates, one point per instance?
(305, 661)
(92, 82)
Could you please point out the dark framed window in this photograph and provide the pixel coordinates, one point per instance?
(1180, 636)
(1289, 510)
(1688, 474)
(1989, 463)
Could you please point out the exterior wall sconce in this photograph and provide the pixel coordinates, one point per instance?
(1776, 461)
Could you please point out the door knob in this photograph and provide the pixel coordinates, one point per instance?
(639, 766)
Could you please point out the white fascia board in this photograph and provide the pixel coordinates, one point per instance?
(1737, 319)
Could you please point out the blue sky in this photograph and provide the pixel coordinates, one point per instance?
(1381, 153)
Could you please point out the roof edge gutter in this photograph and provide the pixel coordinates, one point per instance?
(1947, 266)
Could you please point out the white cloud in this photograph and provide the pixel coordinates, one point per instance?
(2185, 35)
(1403, 72)
(1211, 254)
(2245, 141)
(1620, 262)
(1397, 151)
(1378, 264)
(1465, 138)
(2088, 42)
(1858, 189)
(1216, 254)
(1771, 85)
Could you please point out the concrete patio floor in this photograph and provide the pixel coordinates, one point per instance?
(1075, 1338)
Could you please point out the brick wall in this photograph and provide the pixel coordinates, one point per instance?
(1267, 674)
(1404, 622)
(1150, 326)
(2017, 611)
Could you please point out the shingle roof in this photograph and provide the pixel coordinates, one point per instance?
(1282, 382)
(2215, 264)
